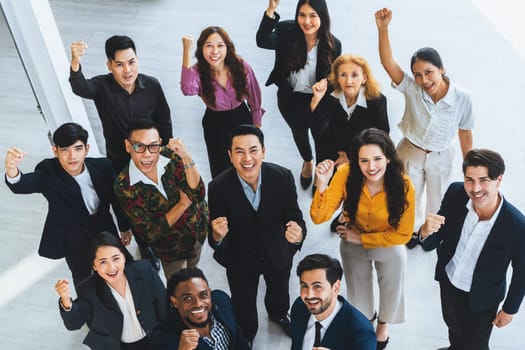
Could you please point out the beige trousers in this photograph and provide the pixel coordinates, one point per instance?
(433, 170)
(390, 266)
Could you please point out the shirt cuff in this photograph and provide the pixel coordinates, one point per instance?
(14, 180)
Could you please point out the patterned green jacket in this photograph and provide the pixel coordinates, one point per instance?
(146, 210)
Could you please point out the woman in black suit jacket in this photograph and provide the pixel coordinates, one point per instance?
(121, 302)
(304, 50)
(355, 105)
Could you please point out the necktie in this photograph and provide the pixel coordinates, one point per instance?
(318, 327)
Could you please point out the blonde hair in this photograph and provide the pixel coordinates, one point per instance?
(371, 85)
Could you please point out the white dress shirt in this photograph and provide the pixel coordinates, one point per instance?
(360, 101)
(309, 335)
(474, 234)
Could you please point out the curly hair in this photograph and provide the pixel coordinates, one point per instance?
(371, 86)
(394, 184)
(326, 48)
(232, 61)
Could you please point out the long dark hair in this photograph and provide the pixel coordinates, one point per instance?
(394, 184)
(326, 50)
(232, 61)
(106, 239)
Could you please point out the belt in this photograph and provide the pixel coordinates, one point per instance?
(420, 148)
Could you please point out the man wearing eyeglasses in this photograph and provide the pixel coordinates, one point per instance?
(162, 194)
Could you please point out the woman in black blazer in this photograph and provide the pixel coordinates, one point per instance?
(121, 302)
(355, 104)
(304, 50)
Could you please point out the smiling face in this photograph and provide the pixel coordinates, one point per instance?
(145, 161)
(430, 78)
(308, 20)
(350, 78)
(246, 155)
(373, 163)
(214, 51)
(193, 301)
(71, 158)
(125, 68)
(109, 264)
(317, 294)
(482, 190)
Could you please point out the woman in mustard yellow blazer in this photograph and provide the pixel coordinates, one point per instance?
(379, 213)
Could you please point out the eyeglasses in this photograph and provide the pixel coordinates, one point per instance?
(141, 148)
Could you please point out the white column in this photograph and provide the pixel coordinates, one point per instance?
(38, 41)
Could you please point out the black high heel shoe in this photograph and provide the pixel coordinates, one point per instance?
(305, 181)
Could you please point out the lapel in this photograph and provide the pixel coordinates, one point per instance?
(136, 285)
(97, 178)
(237, 192)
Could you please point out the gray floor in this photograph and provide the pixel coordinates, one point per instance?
(481, 48)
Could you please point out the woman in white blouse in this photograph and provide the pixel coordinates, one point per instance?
(435, 111)
(121, 302)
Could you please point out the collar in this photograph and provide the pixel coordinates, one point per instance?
(327, 321)
(135, 175)
(246, 185)
(361, 99)
(494, 216)
(449, 98)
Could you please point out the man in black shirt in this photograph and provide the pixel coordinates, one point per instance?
(121, 95)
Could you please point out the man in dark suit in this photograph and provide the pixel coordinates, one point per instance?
(477, 234)
(323, 319)
(256, 228)
(201, 319)
(79, 192)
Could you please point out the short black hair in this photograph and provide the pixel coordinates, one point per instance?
(246, 129)
(178, 277)
(141, 124)
(183, 275)
(493, 161)
(69, 133)
(117, 43)
(332, 267)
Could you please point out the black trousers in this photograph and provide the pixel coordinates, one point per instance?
(244, 283)
(141, 344)
(217, 126)
(80, 263)
(467, 330)
(295, 109)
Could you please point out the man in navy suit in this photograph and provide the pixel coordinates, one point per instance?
(321, 318)
(477, 234)
(256, 228)
(79, 192)
(200, 319)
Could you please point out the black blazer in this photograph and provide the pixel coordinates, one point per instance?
(68, 223)
(250, 231)
(505, 245)
(167, 334)
(281, 37)
(349, 330)
(101, 312)
(337, 132)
